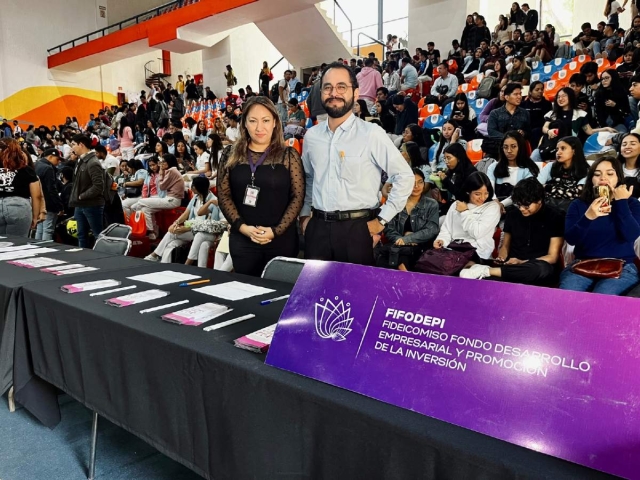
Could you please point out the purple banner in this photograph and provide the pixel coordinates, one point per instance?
(550, 370)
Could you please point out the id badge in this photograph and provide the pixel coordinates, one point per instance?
(251, 196)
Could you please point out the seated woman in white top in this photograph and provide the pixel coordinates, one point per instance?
(202, 160)
(564, 179)
(514, 165)
(474, 218)
(179, 233)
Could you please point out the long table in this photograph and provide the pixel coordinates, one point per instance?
(12, 278)
(225, 414)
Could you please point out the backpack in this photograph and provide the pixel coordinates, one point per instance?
(298, 88)
(274, 93)
(163, 113)
(431, 136)
(486, 87)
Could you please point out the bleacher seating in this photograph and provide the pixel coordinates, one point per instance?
(434, 121)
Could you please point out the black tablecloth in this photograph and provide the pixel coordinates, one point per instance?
(223, 413)
(13, 277)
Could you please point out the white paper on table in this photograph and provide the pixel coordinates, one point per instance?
(76, 270)
(38, 262)
(25, 253)
(233, 290)
(164, 278)
(61, 268)
(15, 248)
(87, 286)
(136, 298)
(197, 315)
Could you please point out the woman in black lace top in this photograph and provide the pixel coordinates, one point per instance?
(260, 190)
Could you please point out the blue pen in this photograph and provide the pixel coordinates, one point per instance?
(271, 300)
(197, 282)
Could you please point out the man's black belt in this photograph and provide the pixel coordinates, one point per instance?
(338, 216)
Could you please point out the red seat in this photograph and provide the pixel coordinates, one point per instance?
(164, 218)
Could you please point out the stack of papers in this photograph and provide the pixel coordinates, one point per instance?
(23, 252)
(164, 278)
(257, 342)
(87, 286)
(197, 315)
(68, 269)
(36, 262)
(233, 290)
(136, 298)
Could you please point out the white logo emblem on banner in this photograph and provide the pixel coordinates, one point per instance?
(333, 319)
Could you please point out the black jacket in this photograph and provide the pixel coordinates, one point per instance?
(47, 175)
(531, 21)
(408, 116)
(88, 183)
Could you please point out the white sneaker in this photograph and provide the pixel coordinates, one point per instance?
(476, 271)
(151, 258)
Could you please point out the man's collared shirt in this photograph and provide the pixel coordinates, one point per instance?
(501, 121)
(343, 169)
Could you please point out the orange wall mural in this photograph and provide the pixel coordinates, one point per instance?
(51, 105)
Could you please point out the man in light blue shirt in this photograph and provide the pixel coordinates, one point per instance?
(408, 76)
(343, 160)
(446, 85)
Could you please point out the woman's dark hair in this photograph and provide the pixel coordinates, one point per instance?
(149, 160)
(522, 160)
(364, 110)
(417, 171)
(201, 145)
(135, 164)
(170, 159)
(124, 123)
(163, 123)
(474, 182)
(464, 164)
(178, 136)
(413, 150)
(528, 191)
(535, 84)
(417, 134)
(621, 158)
(199, 131)
(557, 109)
(465, 110)
(579, 166)
(588, 195)
(165, 147)
(504, 23)
(187, 155)
(216, 147)
(66, 173)
(443, 141)
(615, 85)
(201, 185)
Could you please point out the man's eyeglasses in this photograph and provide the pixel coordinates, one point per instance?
(341, 88)
(522, 205)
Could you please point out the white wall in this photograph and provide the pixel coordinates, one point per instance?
(439, 21)
(26, 38)
(118, 10)
(244, 49)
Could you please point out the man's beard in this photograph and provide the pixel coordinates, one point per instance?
(338, 112)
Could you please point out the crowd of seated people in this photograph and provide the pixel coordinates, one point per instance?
(502, 155)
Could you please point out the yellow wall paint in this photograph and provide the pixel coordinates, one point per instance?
(31, 98)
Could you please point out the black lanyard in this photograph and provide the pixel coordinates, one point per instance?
(254, 166)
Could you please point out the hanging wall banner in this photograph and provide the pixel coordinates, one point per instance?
(550, 370)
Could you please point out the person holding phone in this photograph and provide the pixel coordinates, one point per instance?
(603, 227)
(465, 116)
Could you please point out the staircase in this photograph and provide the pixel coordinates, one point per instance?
(152, 78)
(307, 37)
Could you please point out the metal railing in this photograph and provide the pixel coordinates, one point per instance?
(369, 37)
(336, 4)
(141, 17)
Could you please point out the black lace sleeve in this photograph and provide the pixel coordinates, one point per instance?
(225, 200)
(296, 197)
